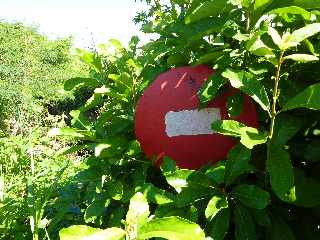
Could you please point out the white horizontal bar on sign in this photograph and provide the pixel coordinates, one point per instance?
(191, 122)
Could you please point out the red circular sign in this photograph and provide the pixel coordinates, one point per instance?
(168, 122)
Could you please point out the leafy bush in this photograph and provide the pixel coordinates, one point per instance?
(31, 72)
(267, 185)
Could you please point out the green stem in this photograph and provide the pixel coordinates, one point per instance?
(275, 94)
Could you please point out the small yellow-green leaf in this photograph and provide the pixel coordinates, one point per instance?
(302, 58)
(82, 232)
(215, 204)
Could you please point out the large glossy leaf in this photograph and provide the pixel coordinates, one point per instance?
(216, 204)
(219, 225)
(308, 98)
(281, 174)
(249, 136)
(206, 9)
(171, 228)
(244, 224)
(81, 232)
(210, 88)
(249, 85)
(237, 163)
(293, 39)
(251, 196)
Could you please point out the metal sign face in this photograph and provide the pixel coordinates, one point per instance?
(168, 121)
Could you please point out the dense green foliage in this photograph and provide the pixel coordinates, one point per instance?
(32, 69)
(269, 183)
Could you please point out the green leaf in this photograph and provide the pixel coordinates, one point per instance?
(258, 9)
(81, 232)
(249, 136)
(308, 98)
(210, 88)
(235, 105)
(249, 85)
(154, 194)
(209, 57)
(256, 46)
(292, 10)
(193, 192)
(286, 126)
(206, 9)
(171, 228)
(216, 172)
(137, 214)
(117, 44)
(244, 224)
(74, 82)
(281, 174)
(299, 35)
(304, 58)
(96, 209)
(177, 59)
(178, 179)
(237, 163)
(275, 36)
(71, 132)
(307, 4)
(167, 210)
(251, 196)
(110, 147)
(216, 204)
(168, 165)
(219, 224)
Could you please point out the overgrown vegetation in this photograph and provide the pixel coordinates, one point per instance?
(267, 186)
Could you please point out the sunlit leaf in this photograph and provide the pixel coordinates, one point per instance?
(171, 228)
(302, 58)
(308, 98)
(81, 232)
